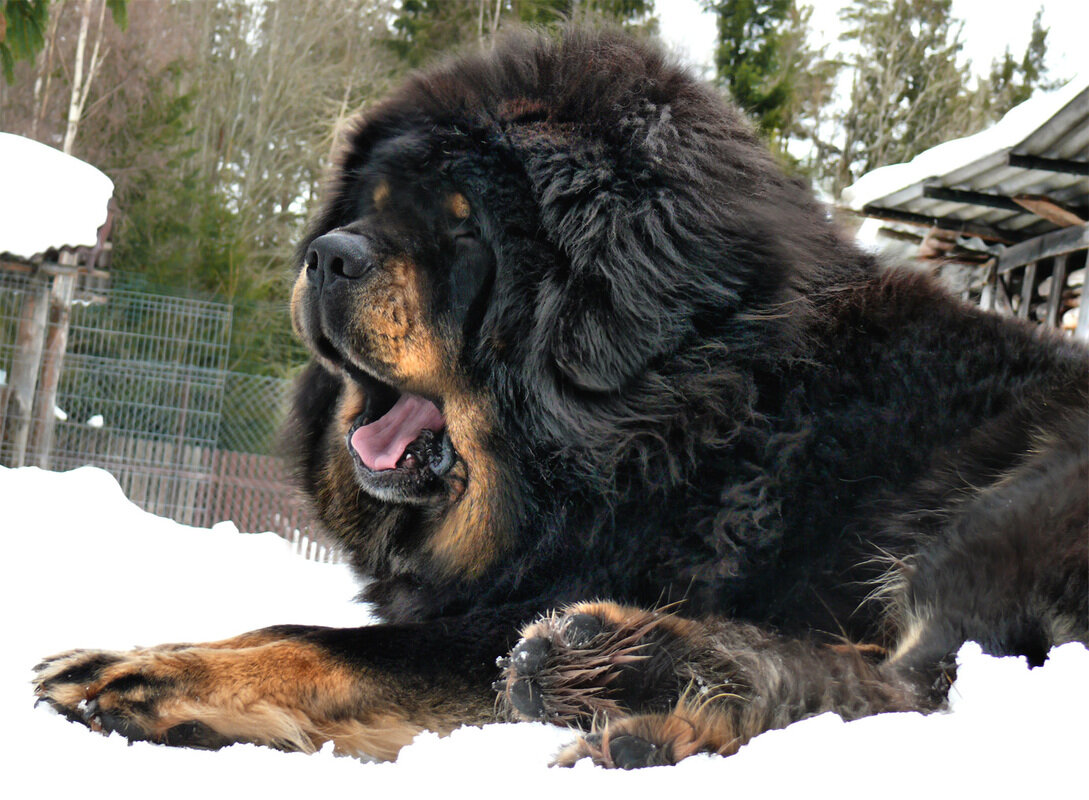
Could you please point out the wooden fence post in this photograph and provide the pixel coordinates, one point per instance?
(56, 341)
(29, 341)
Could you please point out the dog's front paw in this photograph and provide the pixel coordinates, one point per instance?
(142, 695)
(267, 687)
(597, 659)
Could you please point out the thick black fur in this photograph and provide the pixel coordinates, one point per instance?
(706, 393)
(697, 391)
(711, 394)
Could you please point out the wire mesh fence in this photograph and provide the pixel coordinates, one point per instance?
(143, 392)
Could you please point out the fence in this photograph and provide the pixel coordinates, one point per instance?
(143, 392)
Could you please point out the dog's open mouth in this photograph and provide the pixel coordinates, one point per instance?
(410, 436)
(400, 445)
(399, 442)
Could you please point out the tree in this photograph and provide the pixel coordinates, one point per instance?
(259, 133)
(22, 32)
(216, 120)
(750, 62)
(423, 29)
(1012, 82)
(909, 88)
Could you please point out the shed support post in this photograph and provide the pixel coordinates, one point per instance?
(29, 341)
(60, 310)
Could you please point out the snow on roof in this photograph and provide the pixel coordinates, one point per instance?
(48, 200)
(1017, 126)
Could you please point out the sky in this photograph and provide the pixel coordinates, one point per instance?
(986, 35)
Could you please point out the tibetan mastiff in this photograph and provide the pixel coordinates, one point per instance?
(624, 434)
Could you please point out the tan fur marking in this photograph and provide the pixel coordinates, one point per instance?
(468, 538)
(393, 324)
(255, 688)
(381, 195)
(350, 405)
(685, 731)
(621, 617)
(911, 634)
(458, 206)
(297, 292)
(521, 107)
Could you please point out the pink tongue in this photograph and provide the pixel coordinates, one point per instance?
(382, 443)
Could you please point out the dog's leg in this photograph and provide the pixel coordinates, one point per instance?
(660, 687)
(1004, 563)
(366, 690)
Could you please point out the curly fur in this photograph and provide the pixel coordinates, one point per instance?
(667, 378)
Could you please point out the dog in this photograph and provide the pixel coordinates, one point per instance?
(598, 392)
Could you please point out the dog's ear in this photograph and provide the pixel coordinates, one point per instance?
(622, 294)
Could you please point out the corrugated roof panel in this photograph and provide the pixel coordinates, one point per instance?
(1057, 127)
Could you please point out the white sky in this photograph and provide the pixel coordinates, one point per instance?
(989, 27)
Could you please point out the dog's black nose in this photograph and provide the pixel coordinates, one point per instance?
(337, 255)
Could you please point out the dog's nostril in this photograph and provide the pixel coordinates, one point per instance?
(336, 266)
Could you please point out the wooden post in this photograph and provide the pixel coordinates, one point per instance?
(56, 341)
(1082, 331)
(24, 371)
(990, 288)
(1028, 290)
(1054, 300)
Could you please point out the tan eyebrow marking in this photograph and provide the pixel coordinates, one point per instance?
(381, 194)
(458, 205)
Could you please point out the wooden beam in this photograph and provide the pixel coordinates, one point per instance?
(1056, 243)
(945, 223)
(1052, 211)
(971, 198)
(1065, 165)
(50, 268)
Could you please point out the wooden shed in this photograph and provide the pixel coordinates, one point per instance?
(1009, 204)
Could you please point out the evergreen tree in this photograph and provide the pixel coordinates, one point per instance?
(749, 59)
(909, 87)
(424, 29)
(1012, 82)
(764, 61)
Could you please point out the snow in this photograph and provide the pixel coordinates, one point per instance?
(84, 567)
(1017, 125)
(48, 199)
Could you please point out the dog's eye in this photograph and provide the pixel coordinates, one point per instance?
(465, 235)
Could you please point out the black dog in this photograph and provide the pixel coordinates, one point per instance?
(593, 380)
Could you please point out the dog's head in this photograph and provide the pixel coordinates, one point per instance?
(526, 255)
(388, 302)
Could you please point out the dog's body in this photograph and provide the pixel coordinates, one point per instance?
(580, 353)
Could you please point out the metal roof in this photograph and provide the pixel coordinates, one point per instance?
(984, 185)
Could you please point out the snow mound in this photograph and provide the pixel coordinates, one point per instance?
(50, 199)
(84, 567)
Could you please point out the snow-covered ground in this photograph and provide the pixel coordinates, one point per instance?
(83, 567)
